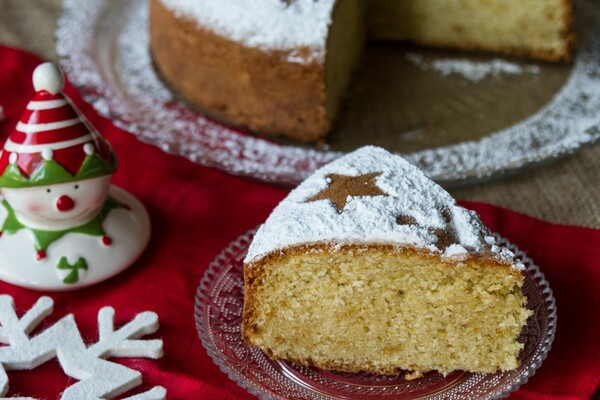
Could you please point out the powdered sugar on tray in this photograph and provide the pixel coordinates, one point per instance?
(104, 49)
(473, 71)
(407, 208)
(266, 24)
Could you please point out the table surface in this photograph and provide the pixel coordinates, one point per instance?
(565, 192)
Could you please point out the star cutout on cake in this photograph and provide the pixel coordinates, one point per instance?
(341, 187)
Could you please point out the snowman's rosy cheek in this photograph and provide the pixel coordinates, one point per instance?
(99, 199)
(34, 208)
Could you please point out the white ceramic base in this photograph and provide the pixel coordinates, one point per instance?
(128, 229)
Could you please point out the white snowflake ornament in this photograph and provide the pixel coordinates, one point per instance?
(98, 378)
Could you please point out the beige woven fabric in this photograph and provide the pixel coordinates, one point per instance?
(566, 192)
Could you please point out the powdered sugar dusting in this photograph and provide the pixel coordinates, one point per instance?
(266, 24)
(373, 219)
(127, 89)
(455, 250)
(473, 71)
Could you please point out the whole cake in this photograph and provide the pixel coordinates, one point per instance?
(282, 66)
(370, 266)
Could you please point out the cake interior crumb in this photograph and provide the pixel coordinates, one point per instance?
(375, 310)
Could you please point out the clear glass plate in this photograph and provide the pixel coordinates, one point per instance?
(457, 129)
(218, 314)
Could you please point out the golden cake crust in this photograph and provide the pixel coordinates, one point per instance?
(245, 86)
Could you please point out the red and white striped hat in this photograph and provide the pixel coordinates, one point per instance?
(52, 129)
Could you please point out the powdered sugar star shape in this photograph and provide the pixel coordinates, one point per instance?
(342, 187)
(98, 378)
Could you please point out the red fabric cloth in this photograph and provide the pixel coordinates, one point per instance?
(196, 211)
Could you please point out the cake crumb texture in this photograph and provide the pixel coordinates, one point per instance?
(379, 308)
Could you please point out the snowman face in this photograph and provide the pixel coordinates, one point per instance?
(59, 206)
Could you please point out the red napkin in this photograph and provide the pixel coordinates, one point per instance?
(197, 211)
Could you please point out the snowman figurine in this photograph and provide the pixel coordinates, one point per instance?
(62, 224)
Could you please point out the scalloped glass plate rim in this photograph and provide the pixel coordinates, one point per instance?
(238, 247)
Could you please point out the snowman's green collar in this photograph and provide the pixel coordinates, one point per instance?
(43, 239)
(50, 172)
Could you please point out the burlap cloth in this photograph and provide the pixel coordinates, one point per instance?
(566, 192)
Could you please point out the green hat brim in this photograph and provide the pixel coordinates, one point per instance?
(51, 173)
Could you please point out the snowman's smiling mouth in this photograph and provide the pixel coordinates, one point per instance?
(72, 214)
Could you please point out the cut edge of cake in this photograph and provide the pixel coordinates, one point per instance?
(378, 354)
(542, 30)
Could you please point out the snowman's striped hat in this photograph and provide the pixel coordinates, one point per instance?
(53, 142)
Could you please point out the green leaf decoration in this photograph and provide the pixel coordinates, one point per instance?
(73, 276)
(12, 177)
(93, 166)
(11, 223)
(50, 172)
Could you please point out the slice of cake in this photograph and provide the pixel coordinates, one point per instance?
(283, 66)
(370, 266)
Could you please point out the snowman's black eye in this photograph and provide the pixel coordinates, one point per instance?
(48, 190)
(76, 186)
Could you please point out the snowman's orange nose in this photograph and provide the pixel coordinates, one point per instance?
(65, 203)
